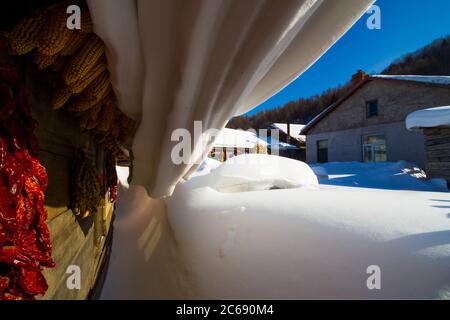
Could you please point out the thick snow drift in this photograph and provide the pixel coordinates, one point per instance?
(428, 118)
(399, 175)
(312, 243)
(291, 243)
(251, 172)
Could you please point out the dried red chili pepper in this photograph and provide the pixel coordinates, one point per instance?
(25, 246)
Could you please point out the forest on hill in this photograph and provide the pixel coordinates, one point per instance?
(433, 59)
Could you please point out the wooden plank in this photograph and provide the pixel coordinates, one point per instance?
(437, 140)
(85, 259)
(69, 235)
(436, 131)
(440, 146)
(438, 159)
(438, 153)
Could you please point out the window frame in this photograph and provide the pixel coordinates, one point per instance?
(363, 145)
(368, 104)
(318, 150)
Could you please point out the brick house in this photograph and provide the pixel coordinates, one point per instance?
(368, 122)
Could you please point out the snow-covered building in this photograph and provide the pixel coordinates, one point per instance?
(368, 122)
(435, 125)
(289, 142)
(232, 142)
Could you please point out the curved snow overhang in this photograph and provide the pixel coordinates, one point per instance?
(428, 118)
(173, 62)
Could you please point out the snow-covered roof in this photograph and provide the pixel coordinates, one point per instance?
(295, 130)
(445, 80)
(237, 138)
(428, 118)
(276, 143)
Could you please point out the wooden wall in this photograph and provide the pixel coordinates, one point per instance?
(75, 241)
(437, 145)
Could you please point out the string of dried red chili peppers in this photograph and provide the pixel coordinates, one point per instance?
(25, 247)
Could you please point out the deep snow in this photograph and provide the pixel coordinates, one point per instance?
(285, 243)
(399, 175)
(317, 243)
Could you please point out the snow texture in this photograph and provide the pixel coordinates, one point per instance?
(444, 80)
(315, 243)
(251, 172)
(429, 118)
(206, 167)
(399, 175)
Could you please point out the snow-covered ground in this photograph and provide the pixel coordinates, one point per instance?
(380, 175)
(316, 243)
(293, 239)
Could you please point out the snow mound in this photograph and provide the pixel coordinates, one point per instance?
(253, 172)
(206, 167)
(428, 118)
(305, 244)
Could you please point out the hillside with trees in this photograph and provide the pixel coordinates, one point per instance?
(434, 59)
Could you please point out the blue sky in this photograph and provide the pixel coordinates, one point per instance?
(406, 25)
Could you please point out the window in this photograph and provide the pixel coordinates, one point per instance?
(322, 151)
(374, 148)
(372, 108)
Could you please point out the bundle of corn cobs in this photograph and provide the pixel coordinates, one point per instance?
(86, 187)
(25, 247)
(78, 59)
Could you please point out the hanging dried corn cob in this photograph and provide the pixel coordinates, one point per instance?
(92, 74)
(99, 87)
(127, 128)
(54, 34)
(86, 190)
(106, 117)
(42, 61)
(86, 22)
(24, 36)
(93, 116)
(90, 116)
(60, 97)
(81, 103)
(115, 130)
(82, 62)
(75, 42)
